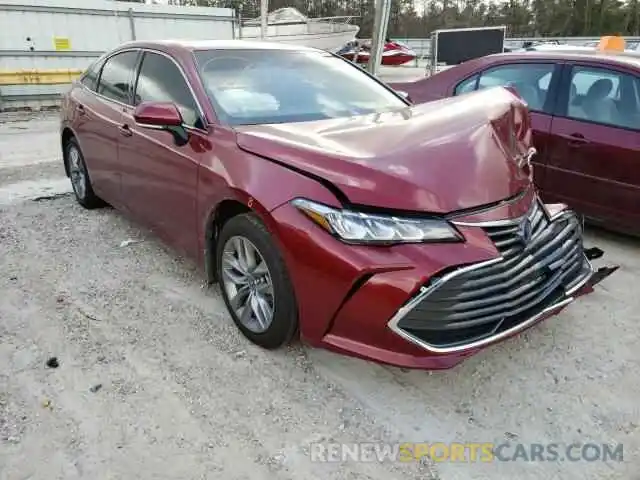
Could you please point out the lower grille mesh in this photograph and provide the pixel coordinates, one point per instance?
(541, 261)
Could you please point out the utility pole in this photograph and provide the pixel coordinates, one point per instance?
(380, 24)
(264, 12)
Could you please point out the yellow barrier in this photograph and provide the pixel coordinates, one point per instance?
(38, 77)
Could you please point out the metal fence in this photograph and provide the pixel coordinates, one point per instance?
(422, 46)
(45, 44)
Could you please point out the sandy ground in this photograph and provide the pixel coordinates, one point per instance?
(155, 382)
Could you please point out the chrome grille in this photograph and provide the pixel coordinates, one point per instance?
(541, 261)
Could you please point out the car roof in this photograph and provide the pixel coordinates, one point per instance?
(571, 53)
(559, 48)
(192, 45)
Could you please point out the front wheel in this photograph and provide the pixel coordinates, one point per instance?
(254, 282)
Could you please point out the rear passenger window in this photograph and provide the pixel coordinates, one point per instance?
(160, 80)
(604, 96)
(90, 77)
(531, 80)
(115, 80)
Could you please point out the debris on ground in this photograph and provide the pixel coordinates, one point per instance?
(130, 241)
(95, 388)
(53, 362)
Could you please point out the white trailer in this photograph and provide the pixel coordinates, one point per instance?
(44, 43)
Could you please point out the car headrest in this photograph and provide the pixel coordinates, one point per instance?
(600, 89)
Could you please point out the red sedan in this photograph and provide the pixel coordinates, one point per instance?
(586, 119)
(322, 202)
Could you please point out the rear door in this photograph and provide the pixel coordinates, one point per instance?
(537, 83)
(105, 89)
(160, 177)
(594, 161)
(86, 118)
(102, 114)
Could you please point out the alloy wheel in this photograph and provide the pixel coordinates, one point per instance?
(77, 172)
(248, 284)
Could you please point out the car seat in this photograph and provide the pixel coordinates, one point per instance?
(597, 105)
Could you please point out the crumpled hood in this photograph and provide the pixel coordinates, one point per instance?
(439, 157)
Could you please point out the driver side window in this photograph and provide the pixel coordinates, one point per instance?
(160, 80)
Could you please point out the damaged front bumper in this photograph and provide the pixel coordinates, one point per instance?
(364, 301)
(542, 268)
(598, 275)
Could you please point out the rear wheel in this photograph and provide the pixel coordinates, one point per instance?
(79, 176)
(254, 282)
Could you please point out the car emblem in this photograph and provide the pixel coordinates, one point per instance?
(525, 231)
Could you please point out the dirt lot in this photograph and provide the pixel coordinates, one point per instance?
(154, 381)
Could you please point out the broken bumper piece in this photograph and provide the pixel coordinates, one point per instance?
(600, 275)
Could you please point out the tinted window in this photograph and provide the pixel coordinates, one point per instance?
(90, 77)
(160, 80)
(604, 96)
(531, 80)
(466, 86)
(115, 80)
(275, 86)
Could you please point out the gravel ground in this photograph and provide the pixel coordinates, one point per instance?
(155, 382)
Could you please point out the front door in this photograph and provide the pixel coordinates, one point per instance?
(594, 161)
(160, 177)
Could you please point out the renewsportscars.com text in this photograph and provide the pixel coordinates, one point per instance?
(467, 452)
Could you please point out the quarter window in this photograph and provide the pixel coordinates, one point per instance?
(604, 96)
(531, 80)
(115, 80)
(160, 80)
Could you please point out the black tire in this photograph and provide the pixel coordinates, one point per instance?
(284, 323)
(84, 194)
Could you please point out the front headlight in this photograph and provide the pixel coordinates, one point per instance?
(357, 227)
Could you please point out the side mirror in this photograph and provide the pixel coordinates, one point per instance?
(157, 114)
(404, 95)
(162, 116)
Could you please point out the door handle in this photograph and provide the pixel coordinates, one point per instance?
(125, 130)
(575, 139)
(80, 109)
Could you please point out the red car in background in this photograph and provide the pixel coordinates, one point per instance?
(325, 204)
(585, 113)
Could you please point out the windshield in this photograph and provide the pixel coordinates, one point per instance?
(282, 86)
